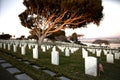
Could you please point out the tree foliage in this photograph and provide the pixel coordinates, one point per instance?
(74, 37)
(32, 37)
(44, 17)
(99, 41)
(5, 36)
(56, 34)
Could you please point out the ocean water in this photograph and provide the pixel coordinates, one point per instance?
(114, 42)
(112, 45)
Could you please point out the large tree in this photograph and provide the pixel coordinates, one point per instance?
(74, 37)
(56, 35)
(5, 36)
(45, 17)
(100, 42)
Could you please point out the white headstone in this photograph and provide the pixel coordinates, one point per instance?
(16, 44)
(54, 56)
(62, 48)
(91, 66)
(29, 46)
(35, 52)
(89, 49)
(48, 47)
(8, 46)
(72, 50)
(54, 48)
(14, 48)
(43, 48)
(117, 55)
(4, 46)
(93, 51)
(98, 53)
(105, 52)
(23, 50)
(110, 58)
(20, 45)
(67, 52)
(84, 53)
(25, 44)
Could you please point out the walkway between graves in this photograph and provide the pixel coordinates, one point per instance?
(16, 74)
(9, 72)
(5, 75)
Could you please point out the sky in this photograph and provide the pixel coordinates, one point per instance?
(109, 26)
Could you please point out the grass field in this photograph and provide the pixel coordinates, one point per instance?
(71, 67)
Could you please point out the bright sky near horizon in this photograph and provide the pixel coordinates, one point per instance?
(109, 26)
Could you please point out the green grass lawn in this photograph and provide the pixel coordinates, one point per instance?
(71, 67)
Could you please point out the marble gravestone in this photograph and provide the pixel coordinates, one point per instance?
(8, 46)
(93, 51)
(98, 53)
(117, 55)
(14, 48)
(54, 56)
(35, 52)
(23, 50)
(91, 66)
(110, 58)
(61, 48)
(43, 48)
(4, 46)
(105, 52)
(72, 50)
(30, 46)
(89, 49)
(23, 47)
(84, 53)
(67, 52)
(48, 47)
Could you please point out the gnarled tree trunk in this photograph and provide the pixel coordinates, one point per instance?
(41, 39)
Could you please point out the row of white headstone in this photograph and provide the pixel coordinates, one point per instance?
(22, 46)
(91, 62)
(110, 54)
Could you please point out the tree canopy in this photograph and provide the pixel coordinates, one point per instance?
(56, 35)
(47, 16)
(5, 36)
(74, 37)
(99, 41)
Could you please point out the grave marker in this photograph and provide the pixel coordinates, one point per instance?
(35, 52)
(54, 56)
(110, 58)
(98, 53)
(14, 48)
(67, 52)
(8, 46)
(105, 52)
(23, 50)
(91, 66)
(43, 48)
(4, 46)
(117, 55)
(84, 53)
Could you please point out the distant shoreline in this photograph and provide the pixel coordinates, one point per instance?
(111, 40)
